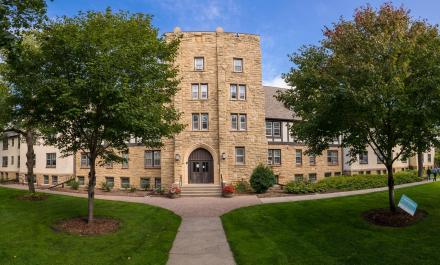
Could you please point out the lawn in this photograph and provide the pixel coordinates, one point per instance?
(145, 236)
(332, 231)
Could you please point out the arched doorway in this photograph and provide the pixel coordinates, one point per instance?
(200, 167)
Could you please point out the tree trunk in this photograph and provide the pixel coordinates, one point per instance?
(30, 155)
(391, 188)
(420, 164)
(91, 190)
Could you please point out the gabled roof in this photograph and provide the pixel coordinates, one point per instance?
(274, 108)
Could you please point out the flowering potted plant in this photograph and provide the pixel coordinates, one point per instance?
(228, 191)
(174, 191)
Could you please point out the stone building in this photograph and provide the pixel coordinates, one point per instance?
(233, 123)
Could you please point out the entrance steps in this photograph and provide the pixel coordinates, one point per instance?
(201, 190)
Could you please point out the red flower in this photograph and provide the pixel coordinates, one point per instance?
(228, 189)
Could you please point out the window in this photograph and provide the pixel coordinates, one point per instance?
(5, 143)
(157, 182)
(18, 161)
(199, 91)
(238, 92)
(85, 161)
(12, 141)
(200, 121)
(337, 173)
(243, 122)
(205, 121)
(312, 177)
(125, 160)
(12, 160)
(298, 156)
(368, 172)
(312, 160)
(242, 92)
(233, 89)
(5, 161)
(299, 177)
(196, 122)
(404, 160)
(81, 180)
(46, 180)
(274, 157)
(110, 181)
(276, 129)
(268, 128)
(108, 164)
(238, 65)
(51, 160)
(125, 182)
(195, 91)
(204, 91)
(239, 155)
(152, 158)
(145, 183)
(363, 158)
(238, 122)
(327, 174)
(18, 142)
(429, 158)
(54, 180)
(234, 122)
(199, 63)
(332, 157)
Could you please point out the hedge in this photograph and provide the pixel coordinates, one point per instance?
(346, 183)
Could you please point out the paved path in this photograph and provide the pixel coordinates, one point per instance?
(201, 238)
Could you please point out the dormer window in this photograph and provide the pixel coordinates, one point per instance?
(238, 65)
(199, 63)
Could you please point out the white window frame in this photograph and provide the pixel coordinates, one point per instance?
(242, 124)
(51, 160)
(197, 66)
(233, 90)
(241, 95)
(237, 68)
(332, 160)
(234, 121)
(241, 157)
(203, 92)
(195, 91)
(363, 158)
(298, 159)
(195, 121)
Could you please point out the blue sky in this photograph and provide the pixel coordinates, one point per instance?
(284, 25)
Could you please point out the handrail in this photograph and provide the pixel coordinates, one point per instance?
(62, 183)
(221, 181)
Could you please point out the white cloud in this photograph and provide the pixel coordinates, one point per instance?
(277, 81)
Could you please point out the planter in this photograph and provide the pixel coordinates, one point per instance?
(228, 194)
(174, 195)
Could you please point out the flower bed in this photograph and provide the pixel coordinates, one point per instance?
(345, 183)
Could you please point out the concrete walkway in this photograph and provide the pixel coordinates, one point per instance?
(201, 238)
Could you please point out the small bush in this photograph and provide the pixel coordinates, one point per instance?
(243, 186)
(125, 186)
(74, 185)
(262, 178)
(133, 189)
(345, 183)
(106, 187)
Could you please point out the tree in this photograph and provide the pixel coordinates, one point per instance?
(17, 16)
(108, 77)
(17, 102)
(21, 79)
(360, 83)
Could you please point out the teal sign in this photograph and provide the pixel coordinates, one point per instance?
(407, 205)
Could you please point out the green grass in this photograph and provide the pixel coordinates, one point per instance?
(332, 231)
(146, 233)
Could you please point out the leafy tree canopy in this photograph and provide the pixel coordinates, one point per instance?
(374, 80)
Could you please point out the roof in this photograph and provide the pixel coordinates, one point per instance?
(274, 108)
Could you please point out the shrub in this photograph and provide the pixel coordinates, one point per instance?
(243, 186)
(125, 186)
(133, 189)
(74, 185)
(106, 187)
(357, 182)
(262, 178)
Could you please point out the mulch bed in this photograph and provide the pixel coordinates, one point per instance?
(384, 217)
(32, 197)
(79, 226)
